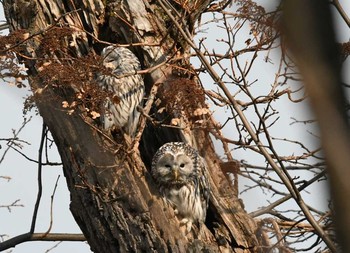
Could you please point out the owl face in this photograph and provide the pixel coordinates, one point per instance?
(120, 60)
(111, 58)
(174, 168)
(175, 163)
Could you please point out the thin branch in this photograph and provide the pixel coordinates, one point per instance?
(40, 186)
(53, 247)
(7, 178)
(35, 161)
(145, 111)
(51, 206)
(28, 237)
(13, 204)
(341, 11)
(270, 207)
(11, 142)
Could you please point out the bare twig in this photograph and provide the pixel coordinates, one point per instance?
(51, 206)
(270, 207)
(13, 204)
(37, 204)
(53, 247)
(12, 141)
(341, 11)
(6, 178)
(35, 161)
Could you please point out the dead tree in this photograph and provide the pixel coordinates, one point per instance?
(113, 197)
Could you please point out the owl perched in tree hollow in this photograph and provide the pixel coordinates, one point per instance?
(126, 88)
(181, 175)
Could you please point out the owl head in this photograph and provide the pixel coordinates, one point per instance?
(175, 163)
(111, 57)
(120, 59)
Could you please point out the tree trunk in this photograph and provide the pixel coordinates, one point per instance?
(113, 197)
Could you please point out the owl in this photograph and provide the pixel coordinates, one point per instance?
(125, 86)
(181, 175)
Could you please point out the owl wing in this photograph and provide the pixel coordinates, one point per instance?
(203, 184)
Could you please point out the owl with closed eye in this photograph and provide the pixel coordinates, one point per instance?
(181, 175)
(125, 86)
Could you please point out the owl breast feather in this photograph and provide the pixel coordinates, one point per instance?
(187, 203)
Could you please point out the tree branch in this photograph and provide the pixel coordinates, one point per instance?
(11, 142)
(13, 242)
(40, 186)
(341, 11)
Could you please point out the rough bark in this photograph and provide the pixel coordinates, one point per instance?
(113, 198)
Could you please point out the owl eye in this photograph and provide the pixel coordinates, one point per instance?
(167, 166)
(182, 165)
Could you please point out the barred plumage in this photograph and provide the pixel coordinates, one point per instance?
(127, 88)
(182, 177)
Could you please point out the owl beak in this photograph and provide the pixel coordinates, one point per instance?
(176, 174)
